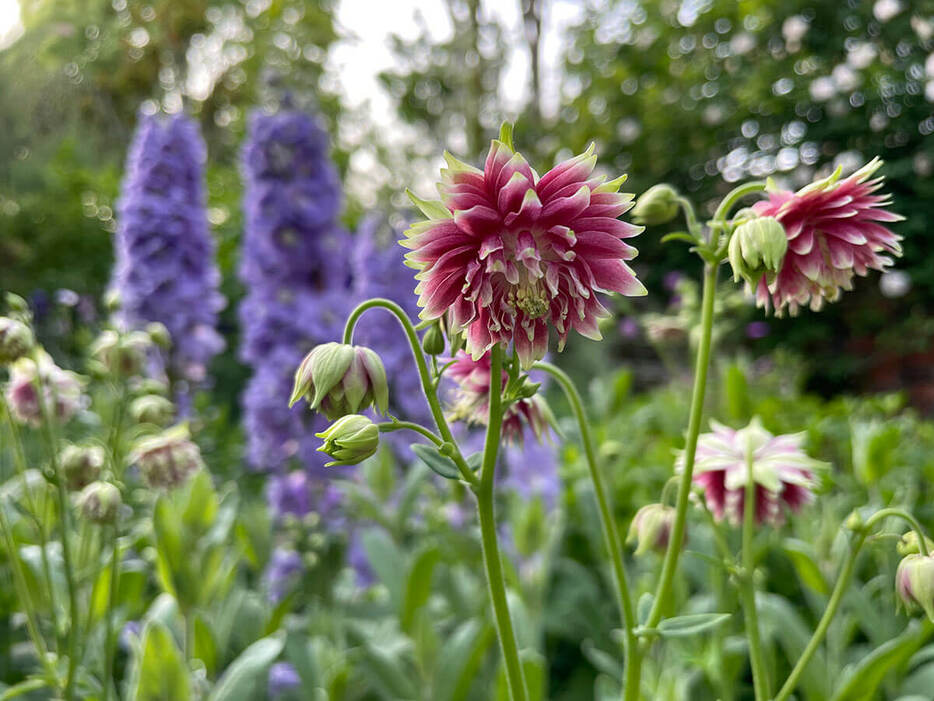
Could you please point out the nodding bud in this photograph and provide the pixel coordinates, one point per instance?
(81, 465)
(757, 248)
(914, 584)
(99, 502)
(159, 335)
(152, 409)
(350, 440)
(657, 205)
(651, 528)
(168, 459)
(433, 340)
(122, 355)
(339, 379)
(909, 544)
(16, 340)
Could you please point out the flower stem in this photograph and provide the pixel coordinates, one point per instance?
(843, 581)
(673, 552)
(389, 426)
(428, 386)
(900, 513)
(491, 556)
(611, 536)
(734, 196)
(747, 587)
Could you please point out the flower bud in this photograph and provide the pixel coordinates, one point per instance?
(81, 465)
(99, 502)
(16, 340)
(167, 459)
(339, 379)
(914, 584)
(908, 544)
(433, 340)
(757, 247)
(61, 390)
(121, 354)
(651, 528)
(152, 409)
(159, 335)
(657, 205)
(350, 440)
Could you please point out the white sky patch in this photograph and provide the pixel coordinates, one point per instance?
(11, 25)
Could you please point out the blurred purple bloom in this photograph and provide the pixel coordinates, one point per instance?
(358, 560)
(165, 269)
(531, 470)
(130, 634)
(629, 328)
(289, 494)
(757, 329)
(283, 678)
(671, 280)
(282, 572)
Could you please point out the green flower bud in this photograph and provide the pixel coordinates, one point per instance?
(81, 465)
(122, 355)
(757, 248)
(433, 340)
(914, 584)
(99, 502)
(159, 335)
(350, 440)
(339, 379)
(152, 409)
(908, 544)
(651, 528)
(657, 205)
(16, 340)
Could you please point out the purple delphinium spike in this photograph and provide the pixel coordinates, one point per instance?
(165, 269)
(283, 678)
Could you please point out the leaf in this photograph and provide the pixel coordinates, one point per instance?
(160, 673)
(439, 463)
(460, 659)
(644, 607)
(418, 586)
(386, 560)
(684, 626)
(804, 560)
(205, 647)
(24, 687)
(239, 682)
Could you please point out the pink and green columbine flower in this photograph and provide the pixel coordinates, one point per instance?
(506, 253)
(783, 473)
(471, 401)
(835, 228)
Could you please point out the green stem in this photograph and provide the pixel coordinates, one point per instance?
(491, 557)
(428, 387)
(747, 587)
(684, 489)
(389, 426)
(611, 538)
(843, 581)
(900, 513)
(735, 196)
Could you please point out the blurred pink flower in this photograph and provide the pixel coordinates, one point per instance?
(506, 252)
(783, 473)
(835, 229)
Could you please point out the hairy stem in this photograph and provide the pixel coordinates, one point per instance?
(748, 589)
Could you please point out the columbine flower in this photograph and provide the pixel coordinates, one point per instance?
(81, 464)
(471, 401)
(914, 583)
(783, 473)
(152, 409)
(121, 354)
(61, 390)
(651, 528)
(99, 502)
(339, 379)
(16, 340)
(506, 253)
(835, 228)
(168, 459)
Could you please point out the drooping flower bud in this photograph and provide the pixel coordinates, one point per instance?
(61, 390)
(433, 340)
(159, 335)
(657, 205)
(339, 379)
(757, 248)
(651, 528)
(16, 340)
(152, 409)
(350, 440)
(121, 354)
(908, 544)
(99, 502)
(914, 584)
(167, 460)
(81, 465)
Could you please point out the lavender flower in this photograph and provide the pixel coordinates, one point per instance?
(283, 570)
(283, 678)
(289, 494)
(165, 268)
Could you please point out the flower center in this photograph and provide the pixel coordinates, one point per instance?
(532, 299)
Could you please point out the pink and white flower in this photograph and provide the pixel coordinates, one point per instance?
(506, 253)
(835, 228)
(783, 473)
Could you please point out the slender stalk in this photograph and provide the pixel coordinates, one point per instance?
(747, 588)
(428, 386)
(735, 196)
(611, 538)
(389, 426)
(843, 581)
(900, 513)
(491, 556)
(684, 489)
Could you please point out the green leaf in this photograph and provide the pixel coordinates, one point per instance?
(803, 558)
(439, 463)
(418, 586)
(160, 673)
(644, 607)
(244, 675)
(384, 557)
(205, 647)
(460, 659)
(684, 626)
(24, 687)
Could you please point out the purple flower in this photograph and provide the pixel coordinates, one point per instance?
(282, 572)
(289, 494)
(757, 329)
(165, 269)
(283, 678)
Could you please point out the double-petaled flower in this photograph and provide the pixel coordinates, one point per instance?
(505, 254)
